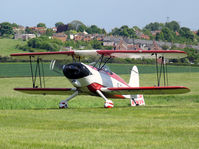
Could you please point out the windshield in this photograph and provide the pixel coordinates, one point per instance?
(106, 68)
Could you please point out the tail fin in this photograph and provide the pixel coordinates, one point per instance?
(135, 82)
(134, 78)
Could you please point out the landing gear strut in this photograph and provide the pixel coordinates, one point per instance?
(108, 103)
(136, 104)
(64, 104)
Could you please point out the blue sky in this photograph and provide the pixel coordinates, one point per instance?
(103, 13)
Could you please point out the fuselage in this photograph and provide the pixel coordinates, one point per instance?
(88, 79)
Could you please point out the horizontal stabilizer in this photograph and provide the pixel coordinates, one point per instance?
(145, 90)
(47, 91)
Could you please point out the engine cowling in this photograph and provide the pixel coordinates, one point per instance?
(75, 71)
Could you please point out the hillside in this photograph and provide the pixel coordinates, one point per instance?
(8, 46)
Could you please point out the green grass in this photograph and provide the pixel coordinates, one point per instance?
(30, 121)
(126, 68)
(148, 127)
(8, 46)
(23, 69)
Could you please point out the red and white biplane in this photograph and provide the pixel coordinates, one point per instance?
(97, 79)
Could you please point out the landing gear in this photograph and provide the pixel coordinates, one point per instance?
(64, 104)
(108, 103)
(137, 100)
(135, 103)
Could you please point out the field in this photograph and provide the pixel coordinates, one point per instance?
(29, 121)
(8, 46)
(23, 69)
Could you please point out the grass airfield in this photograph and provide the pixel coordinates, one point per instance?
(29, 121)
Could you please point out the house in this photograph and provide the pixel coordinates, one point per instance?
(177, 34)
(108, 43)
(39, 30)
(111, 40)
(78, 37)
(155, 32)
(122, 45)
(61, 36)
(54, 29)
(99, 37)
(24, 36)
(87, 37)
(19, 30)
(143, 36)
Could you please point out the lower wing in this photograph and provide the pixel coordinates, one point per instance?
(47, 91)
(146, 90)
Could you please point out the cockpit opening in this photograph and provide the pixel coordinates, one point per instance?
(100, 64)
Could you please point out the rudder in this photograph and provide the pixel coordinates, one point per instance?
(135, 82)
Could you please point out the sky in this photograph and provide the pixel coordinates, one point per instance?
(106, 14)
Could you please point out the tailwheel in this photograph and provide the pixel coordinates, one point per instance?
(108, 104)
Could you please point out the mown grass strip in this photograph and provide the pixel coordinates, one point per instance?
(23, 69)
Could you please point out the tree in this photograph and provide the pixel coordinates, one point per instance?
(29, 30)
(124, 31)
(103, 31)
(192, 55)
(75, 25)
(58, 24)
(186, 33)
(165, 47)
(49, 32)
(197, 33)
(167, 34)
(62, 28)
(115, 31)
(81, 28)
(6, 29)
(96, 44)
(146, 32)
(154, 26)
(93, 29)
(41, 25)
(14, 25)
(45, 43)
(136, 28)
(132, 33)
(157, 37)
(173, 25)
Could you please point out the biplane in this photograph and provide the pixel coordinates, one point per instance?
(97, 79)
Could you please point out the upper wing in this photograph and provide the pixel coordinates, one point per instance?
(146, 90)
(47, 91)
(149, 54)
(43, 55)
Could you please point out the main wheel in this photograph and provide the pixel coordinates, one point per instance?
(108, 104)
(63, 105)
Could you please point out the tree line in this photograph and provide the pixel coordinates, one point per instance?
(169, 31)
(49, 44)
